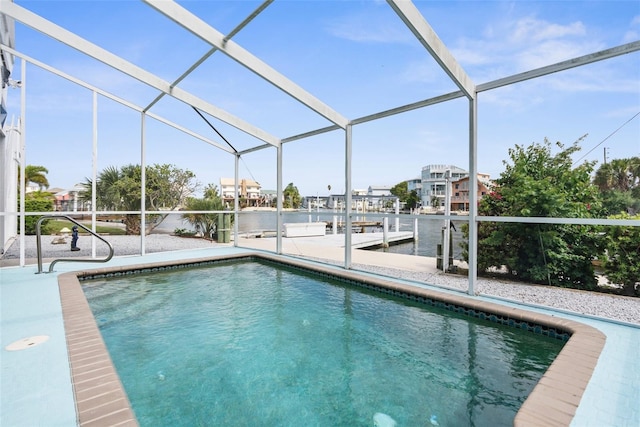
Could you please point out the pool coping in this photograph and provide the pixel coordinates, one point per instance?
(101, 399)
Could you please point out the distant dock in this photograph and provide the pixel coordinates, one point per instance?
(358, 240)
(332, 247)
(356, 226)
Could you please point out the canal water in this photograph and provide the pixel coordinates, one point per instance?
(429, 228)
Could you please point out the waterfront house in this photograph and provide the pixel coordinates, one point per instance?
(434, 182)
(248, 190)
(460, 191)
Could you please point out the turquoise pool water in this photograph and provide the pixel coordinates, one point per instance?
(250, 343)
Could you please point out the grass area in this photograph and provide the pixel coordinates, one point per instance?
(56, 225)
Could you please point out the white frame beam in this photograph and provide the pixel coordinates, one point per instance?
(414, 20)
(204, 31)
(561, 66)
(117, 99)
(212, 51)
(74, 41)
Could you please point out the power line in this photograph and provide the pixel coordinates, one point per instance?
(248, 170)
(610, 135)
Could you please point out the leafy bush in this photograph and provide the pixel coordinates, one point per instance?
(539, 184)
(622, 259)
(37, 204)
(182, 232)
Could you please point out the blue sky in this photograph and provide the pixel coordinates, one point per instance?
(355, 56)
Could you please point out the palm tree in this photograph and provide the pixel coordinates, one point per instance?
(211, 191)
(619, 174)
(116, 191)
(106, 189)
(206, 223)
(619, 183)
(622, 174)
(634, 169)
(36, 175)
(604, 177)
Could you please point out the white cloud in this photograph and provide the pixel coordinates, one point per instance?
(368, 28)
(515, 45)
(424, 71)
(511, 99)
(552, 51)
(631, 36)
(583, 80)
(529, 30)
(533, 43)
(469, 56)
(625, 113)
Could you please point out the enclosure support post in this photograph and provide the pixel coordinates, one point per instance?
(143, 189)
(94, 171)
(23, 140)
(236, 201)
(236, 204)
(347, 197)
(385, 232)
(447, 222)
(397, 212)
(473, 194)
(279, 201)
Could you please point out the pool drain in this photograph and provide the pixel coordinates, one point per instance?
(27, 343)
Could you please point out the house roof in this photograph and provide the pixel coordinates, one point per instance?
(228, 182)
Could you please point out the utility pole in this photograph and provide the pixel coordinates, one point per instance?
(605, 155)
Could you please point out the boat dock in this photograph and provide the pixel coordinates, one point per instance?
(357, 226)
(358, 240)
(331, 247)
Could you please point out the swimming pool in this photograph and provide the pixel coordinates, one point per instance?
(261, 344)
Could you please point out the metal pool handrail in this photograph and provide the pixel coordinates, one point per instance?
(39, 244)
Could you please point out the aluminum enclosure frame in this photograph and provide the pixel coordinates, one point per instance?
(407, 13)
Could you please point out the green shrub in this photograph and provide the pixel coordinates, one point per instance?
(183, 232)
(37, 204)
(622, 259)
(538, 183)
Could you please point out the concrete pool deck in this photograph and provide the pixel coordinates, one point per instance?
(36, 387)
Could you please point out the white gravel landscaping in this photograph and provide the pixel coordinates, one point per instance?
(621, 308)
